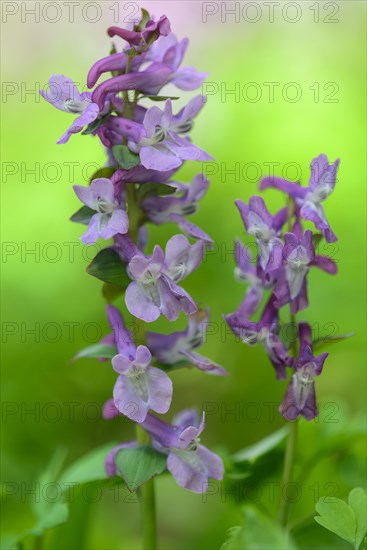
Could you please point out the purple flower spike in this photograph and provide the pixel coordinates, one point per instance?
(309, 199)
(64, 95)
(162, 148)
(154, 289)
(140, 387)
(174, 348)
(265, 332)
(247, 271)
(190, 463)
(265, 228)
(151, 32)
(300, 397)
(110, 218)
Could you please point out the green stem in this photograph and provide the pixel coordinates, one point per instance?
(147, 503)
(289, 460)
(146, 491)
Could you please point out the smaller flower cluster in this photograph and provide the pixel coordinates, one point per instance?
(280, 271)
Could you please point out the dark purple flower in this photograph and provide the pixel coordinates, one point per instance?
(161, 148)
(309, 199)
(142, 39)
(139, 387)
(300, 397)
(265, 228)
(111, 217)
(190, 463)
(64, 95)
(154, 289)
(291, 281)
(174, 348)
(265, 331)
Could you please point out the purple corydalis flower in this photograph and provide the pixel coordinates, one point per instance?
(142, 39)
(309, 199)
(265, 331)
(167, 55)
(172, 208)
(265, 228)
(161, 148)
(111, 217)
(246, 271)
(139, 387)
(154, 289)
(189, 462)
(174, 348)
(64, 95)
(300, 397)
(298, 256)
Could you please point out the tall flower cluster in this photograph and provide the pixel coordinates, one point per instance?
(137, 187)
(285, 254)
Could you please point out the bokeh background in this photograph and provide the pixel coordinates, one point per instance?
(313, 58)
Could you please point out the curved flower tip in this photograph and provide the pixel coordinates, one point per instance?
(139, 386)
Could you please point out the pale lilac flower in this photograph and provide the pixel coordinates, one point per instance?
(189, 462)
(173, 208)
(161, 148)
(300, 397)
(265, 332)
(309, 199)
(174, 348)
(64, 95)
(140, 386)
(154, 289)
(110, 218)
(252, 274)
(265, 228)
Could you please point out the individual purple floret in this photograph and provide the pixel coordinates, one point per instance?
(298, 256)
(63, 95)
(170, 349)
(107, 200)
(309, 199)
(173, 208)
(141, 40)
(154, 289)
(300, 397)
(265, 228)
(264, 331)
(161, 147)
(140, 386)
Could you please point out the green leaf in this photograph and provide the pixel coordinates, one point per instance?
(101, 350)
(145, 17)
(149, 189)
(108, 267)
(111, 292)
(334, 339)
(138, 465)
(357, 500)
(316, 239)
(161, 97)
(338, 517)
(83, 215)
(104, 172)
(262, 447)
(257, 532)
(125, 157)
(93, 126)
(49, 510)
(88, 468)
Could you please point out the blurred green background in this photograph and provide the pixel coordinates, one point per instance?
(49, 292)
